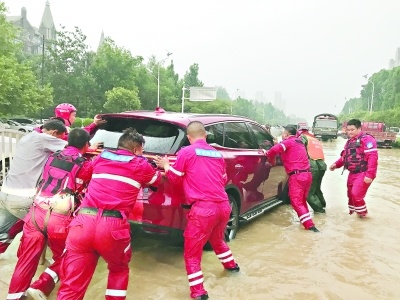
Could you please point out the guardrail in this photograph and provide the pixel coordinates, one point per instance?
(8, 141)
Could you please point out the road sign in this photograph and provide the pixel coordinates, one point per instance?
(203, 94)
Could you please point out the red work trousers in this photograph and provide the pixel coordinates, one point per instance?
(356, 191)
(206, 222)
(299, 186)
(15, 226)
(30, 249)
(89, 238)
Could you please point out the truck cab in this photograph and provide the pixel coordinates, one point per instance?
(384, 139)
(325, 126)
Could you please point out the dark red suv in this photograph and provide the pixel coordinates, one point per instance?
(253, 185)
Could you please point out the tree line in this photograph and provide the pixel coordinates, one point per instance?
(108, 80)
(384, 106)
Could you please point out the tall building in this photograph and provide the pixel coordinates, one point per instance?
(392, 63)
(260, 97)
(47, 28)
(32, 37)
(279, 103)
(101, 42)
(397, 58)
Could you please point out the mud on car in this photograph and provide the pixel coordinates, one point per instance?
(253, 185)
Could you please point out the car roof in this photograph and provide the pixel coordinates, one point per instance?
(182, 119)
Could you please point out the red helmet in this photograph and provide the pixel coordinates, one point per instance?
(64, 110)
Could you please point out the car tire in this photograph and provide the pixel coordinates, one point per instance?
(233, 223)
(21, 129)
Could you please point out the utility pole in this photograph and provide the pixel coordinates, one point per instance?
(42, 76)
(373, 92)
(158, 77)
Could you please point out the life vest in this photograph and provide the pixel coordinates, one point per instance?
(353, 156)
(58, 183)
(314, 148)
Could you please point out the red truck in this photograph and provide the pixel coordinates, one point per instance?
(378, 130)
(384, 139)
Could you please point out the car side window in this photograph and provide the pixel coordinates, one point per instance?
(215, 134)
(238, 136)
(264, 139)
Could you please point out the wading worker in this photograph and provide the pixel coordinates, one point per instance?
(66, 173)
(19, 186)
(360, 157)
(201, 169)
(295, 161)
(100, 227)
(318, 168)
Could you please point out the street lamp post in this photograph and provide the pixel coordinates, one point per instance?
(237, 97)
(372, 96)
(373, 91)
(158, 77)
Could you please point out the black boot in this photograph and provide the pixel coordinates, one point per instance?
(202, 297)
(234, 269)
(313, 229)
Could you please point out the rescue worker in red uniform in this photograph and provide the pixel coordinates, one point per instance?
(318, 167)
(201, 168)
(66, 113)
(295, 161)
(100, 227)
(66, 173)
(360, 157)
(19, 186)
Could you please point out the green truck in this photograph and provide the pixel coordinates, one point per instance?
(325, 126)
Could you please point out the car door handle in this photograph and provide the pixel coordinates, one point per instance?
(238, 167)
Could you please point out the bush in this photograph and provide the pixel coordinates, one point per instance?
(82, 122)
(397, 143)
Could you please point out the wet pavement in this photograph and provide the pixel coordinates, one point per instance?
(351, 258)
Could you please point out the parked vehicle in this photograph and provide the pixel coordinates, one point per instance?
(20, 127)
(24, 121)
(395, 130)
(325, 126)
(384, 139)
(302, 125)
(4, 124)
(253, 186)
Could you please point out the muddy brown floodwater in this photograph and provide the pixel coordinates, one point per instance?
(351, 258)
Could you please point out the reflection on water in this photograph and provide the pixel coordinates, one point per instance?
(350, 259)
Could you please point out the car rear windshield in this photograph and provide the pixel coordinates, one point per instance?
(160, 137)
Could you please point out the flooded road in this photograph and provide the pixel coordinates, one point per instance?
(351, 258)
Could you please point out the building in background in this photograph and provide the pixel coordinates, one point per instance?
(259, 97)
(101, 42)
(32, 37)
(279, 103)
(393, 63)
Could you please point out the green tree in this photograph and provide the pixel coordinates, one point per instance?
(385, 92)
(120, 99)
(20, 92)
(222, 94)
(191, 77)
(112, 67)
(66, 69)
(170, 86)
(9, 44)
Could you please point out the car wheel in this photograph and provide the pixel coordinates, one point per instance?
(21, 129)
(7, 166)
(233, 223)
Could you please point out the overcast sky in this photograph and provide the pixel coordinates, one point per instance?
(314, 52)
